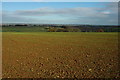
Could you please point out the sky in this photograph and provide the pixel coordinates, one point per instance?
(96, 13)
(60, 0)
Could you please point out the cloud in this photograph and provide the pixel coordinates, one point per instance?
(8, 17)
(79, 11)
(106, 12)
(77, 15)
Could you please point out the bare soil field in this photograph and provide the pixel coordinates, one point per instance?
(59, 55)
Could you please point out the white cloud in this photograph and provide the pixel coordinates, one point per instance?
(106, 12)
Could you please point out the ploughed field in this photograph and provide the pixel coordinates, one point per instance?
(60, 55)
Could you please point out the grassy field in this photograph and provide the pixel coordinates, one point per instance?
(60, 55)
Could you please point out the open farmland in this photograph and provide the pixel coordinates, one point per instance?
(60, 55)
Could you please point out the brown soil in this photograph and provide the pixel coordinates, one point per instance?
(60, 55)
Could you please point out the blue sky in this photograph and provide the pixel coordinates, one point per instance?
(59, 0)
(60, 12)
(11, 6)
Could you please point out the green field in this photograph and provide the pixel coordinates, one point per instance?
(60, 55)
(23, 29)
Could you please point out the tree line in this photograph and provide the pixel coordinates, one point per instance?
(64, 28)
